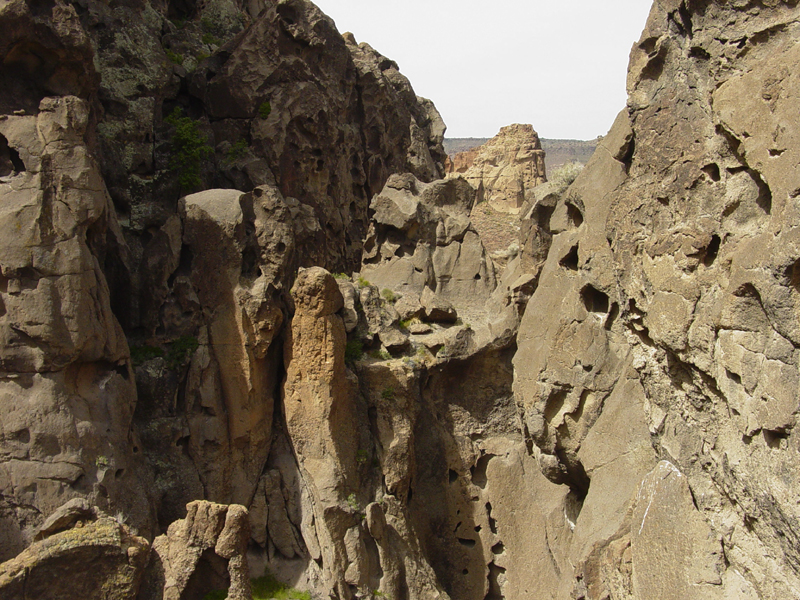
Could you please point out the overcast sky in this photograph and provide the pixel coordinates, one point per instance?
(558, 64)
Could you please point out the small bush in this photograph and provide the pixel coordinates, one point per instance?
(189, 148)
(180, 350)
(563, 176)
(380, 355)
(353, 351)
(141, 354)
(174, 56)
(388, 393)
(389, 295)
(236, 152)
(352, 502)
(361, 456)
(362, 283)
(264, 110)
(211, 39)
(341, 276)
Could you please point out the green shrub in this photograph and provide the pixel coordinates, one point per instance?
(141, 354)
(389, 295)
(353, 351)
(362, 283)
(264, 110)
(388, 393)
(265, 588)
(180, 350)
(341, 276)
(361, 456)
(174, 56)
(563, 176)
(352, 502)
(236, 151)
(189, 148)
(211, 39)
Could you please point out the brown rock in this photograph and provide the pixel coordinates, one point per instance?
(504, 168)
(101, 559)
(205, 551)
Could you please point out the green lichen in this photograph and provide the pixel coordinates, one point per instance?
(265, 588)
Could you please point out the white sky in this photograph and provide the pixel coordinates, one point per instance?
(559, 64)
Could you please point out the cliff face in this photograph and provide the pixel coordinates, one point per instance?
(502, 169)
(609, 415)
(661, 388)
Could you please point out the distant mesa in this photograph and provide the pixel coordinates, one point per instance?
(558, 152)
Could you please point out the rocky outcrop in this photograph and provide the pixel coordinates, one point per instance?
(205, 551)
(668, 289)
(612, 415)
(422, 240)
(504, 167)
(95, 559)
(67, 393)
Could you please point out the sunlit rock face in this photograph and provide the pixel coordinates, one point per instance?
(664, 325)
(504, 168)
(301, 329)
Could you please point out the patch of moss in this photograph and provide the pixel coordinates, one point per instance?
(264, 109)
(389, 295)
(265, 588)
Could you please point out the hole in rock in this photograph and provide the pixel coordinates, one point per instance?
(465, 572)
(594, 300)
(570, 259)
(734, 377)
(119, 473)
(210, 573)
(712, 170)
(711, 252)
(452, 476)
(498, 548)
(10, 162)
(792, 274)
(492, 522)
(478, 471)
(495, 590)
(575, 215)
(773, 437)
(467, 542)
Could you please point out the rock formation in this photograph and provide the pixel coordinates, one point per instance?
(232, 278)
(504, 167)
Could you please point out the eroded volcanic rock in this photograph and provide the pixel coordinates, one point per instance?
(612, 415)
(504, 167)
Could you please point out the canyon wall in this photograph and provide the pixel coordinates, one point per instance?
(241, 308)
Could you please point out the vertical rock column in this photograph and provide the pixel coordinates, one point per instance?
(319, 403)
